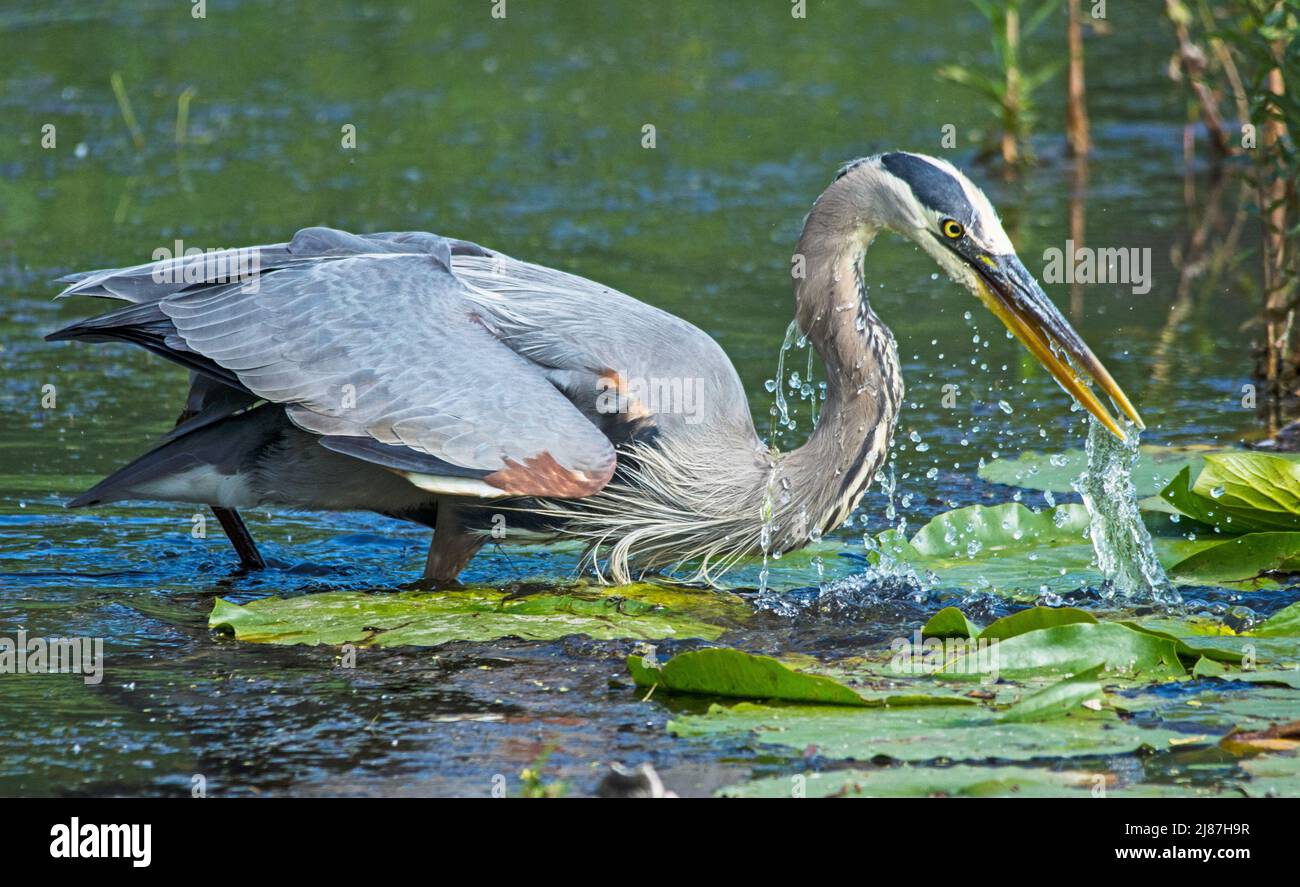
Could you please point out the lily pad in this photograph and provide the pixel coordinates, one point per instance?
(1034, 619)
(997, 527)
(957, 781)
(1010, 550)
(1211, 705)
(643, 611)
(1189, 648)
(1004, 549)
(925, 733)
(1272, 776)
(1284, 623)
(1241, 559)
(1277, 677)
(949, 622)
(1056, 472)
(1075, 648)
(1221, 643)
(1061, 698)
(1262, 488)
(724, 672)
(734, 673)
(1239, 493)
(914, 781)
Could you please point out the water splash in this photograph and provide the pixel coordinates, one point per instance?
(1125, 555)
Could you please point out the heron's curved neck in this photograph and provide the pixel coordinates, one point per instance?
(864, 385)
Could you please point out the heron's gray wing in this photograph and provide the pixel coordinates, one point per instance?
(189, 268)
(668, 374)
(372, 343)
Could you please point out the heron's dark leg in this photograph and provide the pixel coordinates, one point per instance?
(233, 525)
(452, 548)
(237, 531)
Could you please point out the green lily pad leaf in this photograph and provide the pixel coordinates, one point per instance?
(995, 528)
(1279, 677)
(925, 733)
(1056, 472)
(1241, 559)
(958, 781)
(1263, 486)
(1208, 668)
(1240, 493)
(1220, 711)
(1006, 549)
(949, 622)
(1188, 650)
(642, 611)
(1284, 623)
(1009, 549)
(726, 672)
(1073, 649)
(1034, 619)
(1276, 677)
(911, 781)
(1179, 496)
(1059, 699)
(1272, 776)
(1221, 643)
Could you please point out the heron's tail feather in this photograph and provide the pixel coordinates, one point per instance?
(206, 464)
(139, 479)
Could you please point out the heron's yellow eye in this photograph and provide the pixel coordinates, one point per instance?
(952, 229)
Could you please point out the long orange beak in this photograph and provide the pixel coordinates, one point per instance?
(1008, 290)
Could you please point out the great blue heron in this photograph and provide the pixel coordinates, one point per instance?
(434, 380)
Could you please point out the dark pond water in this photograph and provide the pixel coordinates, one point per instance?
(525, 135)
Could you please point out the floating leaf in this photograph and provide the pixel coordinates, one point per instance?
(1059, 699)
(924, 733)
(1263, 487)
(913, 781)
(1009, 549)
(642, 611)
(1208, 668)
(1242, 559)
(1187, 649)
(949, 622)
(1075, 648)
(1240, 493)
(1179, 496)
(1033, 619)
(998, 527)
(1272, 776)
(1284, 623)
(1005, 548)
(725, 672)
(1220, 642)
(957, 781)
(1056, 472)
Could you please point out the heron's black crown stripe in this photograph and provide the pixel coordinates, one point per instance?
(932, 186)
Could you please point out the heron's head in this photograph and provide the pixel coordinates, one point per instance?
(931, 202)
